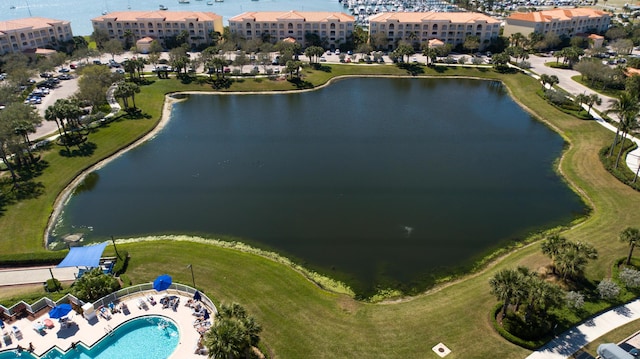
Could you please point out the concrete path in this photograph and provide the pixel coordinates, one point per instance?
(36, 275)
(569, 342)
(574, 88)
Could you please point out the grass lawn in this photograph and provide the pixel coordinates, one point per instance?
(302, 320)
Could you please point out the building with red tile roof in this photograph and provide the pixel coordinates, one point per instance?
(130, 26)
(333, 28)
(563, 22)
(419, 27)
(33, 32)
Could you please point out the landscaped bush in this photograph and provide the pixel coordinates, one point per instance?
(622, 172)
(630, 277)
(121, 263)
(529, 344)
(532, 328)
(94, 285)
(574, 300)
(32, 259)
(608, 290)
(53, 285)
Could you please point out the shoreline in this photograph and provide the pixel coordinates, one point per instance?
(63, 198)
(487, 262)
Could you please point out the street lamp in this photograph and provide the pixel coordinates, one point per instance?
(193, 279)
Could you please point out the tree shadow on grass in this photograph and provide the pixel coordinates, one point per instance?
(29, 173)
(412, 69)
(301, 84)
(323, 68)
(440, 69)
(84, 150)
(28, 190)
(135, 114)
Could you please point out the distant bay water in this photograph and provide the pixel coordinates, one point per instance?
(80, 13)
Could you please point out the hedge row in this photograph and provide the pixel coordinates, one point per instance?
(32, 259)
(531, 345)
(622, 173)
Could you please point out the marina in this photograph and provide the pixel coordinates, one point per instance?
(362, 9)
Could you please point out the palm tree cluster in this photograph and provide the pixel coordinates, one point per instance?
(520, 286)
(66, 114)
(631, 236)
(233, 334)
(627, 108)
(124, 90)
(17, 121)
(569, 258)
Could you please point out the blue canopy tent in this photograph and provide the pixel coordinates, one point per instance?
(88, 257)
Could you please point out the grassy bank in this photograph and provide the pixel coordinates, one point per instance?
(300, 319)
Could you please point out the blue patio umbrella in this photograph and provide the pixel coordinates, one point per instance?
(59, 311)
(197, 295)
(162, 282)
(206, 314)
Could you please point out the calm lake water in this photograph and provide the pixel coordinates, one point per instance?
(80, 13)
(377, 182)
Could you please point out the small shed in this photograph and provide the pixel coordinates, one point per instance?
(613, 351)
(144, 45)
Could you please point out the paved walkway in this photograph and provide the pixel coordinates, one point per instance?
(36, 275)
(569, 342)
(574, 88)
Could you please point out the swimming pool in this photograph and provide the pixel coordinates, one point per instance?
(149, 337)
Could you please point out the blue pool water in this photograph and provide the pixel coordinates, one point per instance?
(145, 337)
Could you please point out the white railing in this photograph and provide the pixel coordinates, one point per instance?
(44, 302)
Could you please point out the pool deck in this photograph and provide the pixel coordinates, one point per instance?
(89, 332)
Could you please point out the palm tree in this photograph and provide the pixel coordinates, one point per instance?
(626, 107)
(552, 246)
(627, 124)
(582, 99)
(593, 99)
(504, 286)
(233, 333)
(632, 236)
(573, 259)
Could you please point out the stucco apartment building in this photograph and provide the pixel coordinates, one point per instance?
(333, 27)
(448, 27)
(159, 25)
(563, 22)
(31, 33)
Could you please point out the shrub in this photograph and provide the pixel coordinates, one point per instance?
(524, 64)
(121, 263)
(608, 289)
(630, 277)
(52, 285)
(574, 300)
(462, 60)
(94, 285)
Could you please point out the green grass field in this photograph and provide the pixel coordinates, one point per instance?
(302, 320)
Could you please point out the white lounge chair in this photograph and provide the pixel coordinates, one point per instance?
(17, 332)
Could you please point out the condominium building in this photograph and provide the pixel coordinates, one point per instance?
(333, 28)
(130, 26)
(31, 33)
(419, 27)
(563, 22)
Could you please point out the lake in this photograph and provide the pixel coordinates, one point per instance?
(376, 182)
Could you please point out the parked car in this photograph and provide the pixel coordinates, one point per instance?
(120, 71)
(64, 70)
(73, 66)
(323, 59)
(65, 77)
(337, 51)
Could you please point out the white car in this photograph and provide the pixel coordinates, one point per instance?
(337, 51)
